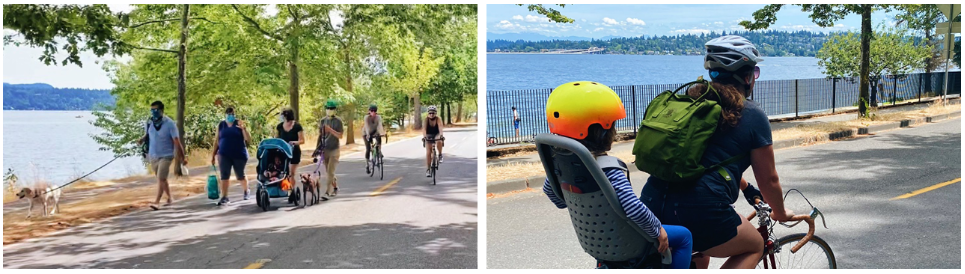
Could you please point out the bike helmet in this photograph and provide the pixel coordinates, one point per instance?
(373, 107)
(729, 54)
(331, 104)
(572, 107)
(432, 109)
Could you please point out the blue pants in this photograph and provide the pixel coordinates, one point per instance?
(681, 245)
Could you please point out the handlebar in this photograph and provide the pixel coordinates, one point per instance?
(808, 218)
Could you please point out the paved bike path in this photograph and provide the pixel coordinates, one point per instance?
(408, 224)
(851, 181)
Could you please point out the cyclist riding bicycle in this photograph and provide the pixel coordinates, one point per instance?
(432, 131)
(706, 206)
(372, 129)
(587, 112)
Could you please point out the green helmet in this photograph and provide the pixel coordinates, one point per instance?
(331, 104)
(373, 107)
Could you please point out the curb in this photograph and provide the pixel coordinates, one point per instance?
(537, 181)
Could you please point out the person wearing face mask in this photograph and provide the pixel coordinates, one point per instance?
(292, 132)
(164, 143)
(372, 130)
(230, 151)
(329, 132)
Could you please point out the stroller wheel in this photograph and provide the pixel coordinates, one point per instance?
(263, 196)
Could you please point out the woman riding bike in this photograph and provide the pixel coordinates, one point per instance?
(432, 131)
(371, 129)
(705, 207)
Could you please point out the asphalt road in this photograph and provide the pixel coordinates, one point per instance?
(851, 181)
(370, 224)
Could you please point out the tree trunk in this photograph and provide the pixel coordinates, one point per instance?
(350, 136)
(865, 59)
(459, 112)
(182, 62)
(416, 112)
(448, 113)
(293, 78)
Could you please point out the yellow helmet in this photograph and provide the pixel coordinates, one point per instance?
(572, 107)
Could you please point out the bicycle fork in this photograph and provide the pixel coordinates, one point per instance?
(768, 248)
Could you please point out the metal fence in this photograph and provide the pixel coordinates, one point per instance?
(778, 98)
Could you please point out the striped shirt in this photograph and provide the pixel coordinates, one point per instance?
(636, 210)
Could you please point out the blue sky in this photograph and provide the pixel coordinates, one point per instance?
(597, 21)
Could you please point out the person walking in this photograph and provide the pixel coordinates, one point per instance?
(330, 131)
(231, 152)
(291, 131)
(163, 142)
(516, 121)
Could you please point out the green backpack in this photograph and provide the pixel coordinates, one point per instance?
(674, 134)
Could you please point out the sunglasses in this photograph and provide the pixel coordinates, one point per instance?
(757, 72)
(432, 113)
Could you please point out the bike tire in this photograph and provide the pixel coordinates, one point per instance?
(785, 259)
(381, 167)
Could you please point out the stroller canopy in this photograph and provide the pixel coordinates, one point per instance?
(274, 143)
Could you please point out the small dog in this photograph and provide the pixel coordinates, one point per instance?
(309, 186)
(50, 198)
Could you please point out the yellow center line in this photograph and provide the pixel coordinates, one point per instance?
(258, 264)
(386, 186)
(927, 189)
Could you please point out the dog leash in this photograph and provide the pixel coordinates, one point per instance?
(82, 177)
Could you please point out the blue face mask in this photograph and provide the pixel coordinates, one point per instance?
(230, 118)
(155, 114)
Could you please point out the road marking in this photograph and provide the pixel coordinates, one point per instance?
(386, 186)
(258, 264)
(927, 189)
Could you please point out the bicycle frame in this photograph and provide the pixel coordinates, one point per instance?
(766, 229)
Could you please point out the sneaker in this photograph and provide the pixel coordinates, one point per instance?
(247, 192)
(335, 192)
(223, 201)
(367, 168)
(441, 158)
(428, 174)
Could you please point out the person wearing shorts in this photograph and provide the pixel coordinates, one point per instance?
(164, 142)
(516, 121)
(231, 152)
(292, 132)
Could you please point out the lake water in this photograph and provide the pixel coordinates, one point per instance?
(55, 146)
(532, 71)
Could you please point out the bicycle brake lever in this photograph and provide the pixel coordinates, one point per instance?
(815, 213)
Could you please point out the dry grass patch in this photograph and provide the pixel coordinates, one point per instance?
(815, 131)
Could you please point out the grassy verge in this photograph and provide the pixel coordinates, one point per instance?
(810, 130)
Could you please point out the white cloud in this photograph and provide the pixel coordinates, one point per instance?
(609, 21)
(636, 21)
(597, 29)
(839, 25)
(506, 25)
(518, 17)
(691, 31)
(582, 20)
(532, 18)
(719, 23)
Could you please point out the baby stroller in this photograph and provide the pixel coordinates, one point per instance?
(282, 186)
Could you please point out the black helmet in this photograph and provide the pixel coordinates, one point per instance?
(373, 107)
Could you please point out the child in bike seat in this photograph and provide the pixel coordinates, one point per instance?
(587, 112)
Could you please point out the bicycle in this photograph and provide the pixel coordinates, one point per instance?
(774, 249)
(434, 163)
(376, 157)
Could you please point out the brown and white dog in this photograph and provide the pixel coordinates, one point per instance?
(50, 198)
(309, 185)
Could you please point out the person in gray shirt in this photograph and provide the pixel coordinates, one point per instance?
(163, 142)
(330, 132)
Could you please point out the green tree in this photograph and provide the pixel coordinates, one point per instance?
(893, 52)
(551, 13)
(824, 15)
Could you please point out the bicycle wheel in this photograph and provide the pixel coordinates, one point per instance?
(381, 167)
(815, 254)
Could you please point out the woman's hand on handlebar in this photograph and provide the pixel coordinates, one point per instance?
(777, 216)
(662, 240)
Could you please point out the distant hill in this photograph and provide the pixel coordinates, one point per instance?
(42, 96)
(533, 37)
(770, 43)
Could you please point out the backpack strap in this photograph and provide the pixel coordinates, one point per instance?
(720, 166)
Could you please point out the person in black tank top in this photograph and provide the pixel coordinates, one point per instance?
(432, 131)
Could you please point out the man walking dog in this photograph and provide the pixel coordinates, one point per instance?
(163, 143)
